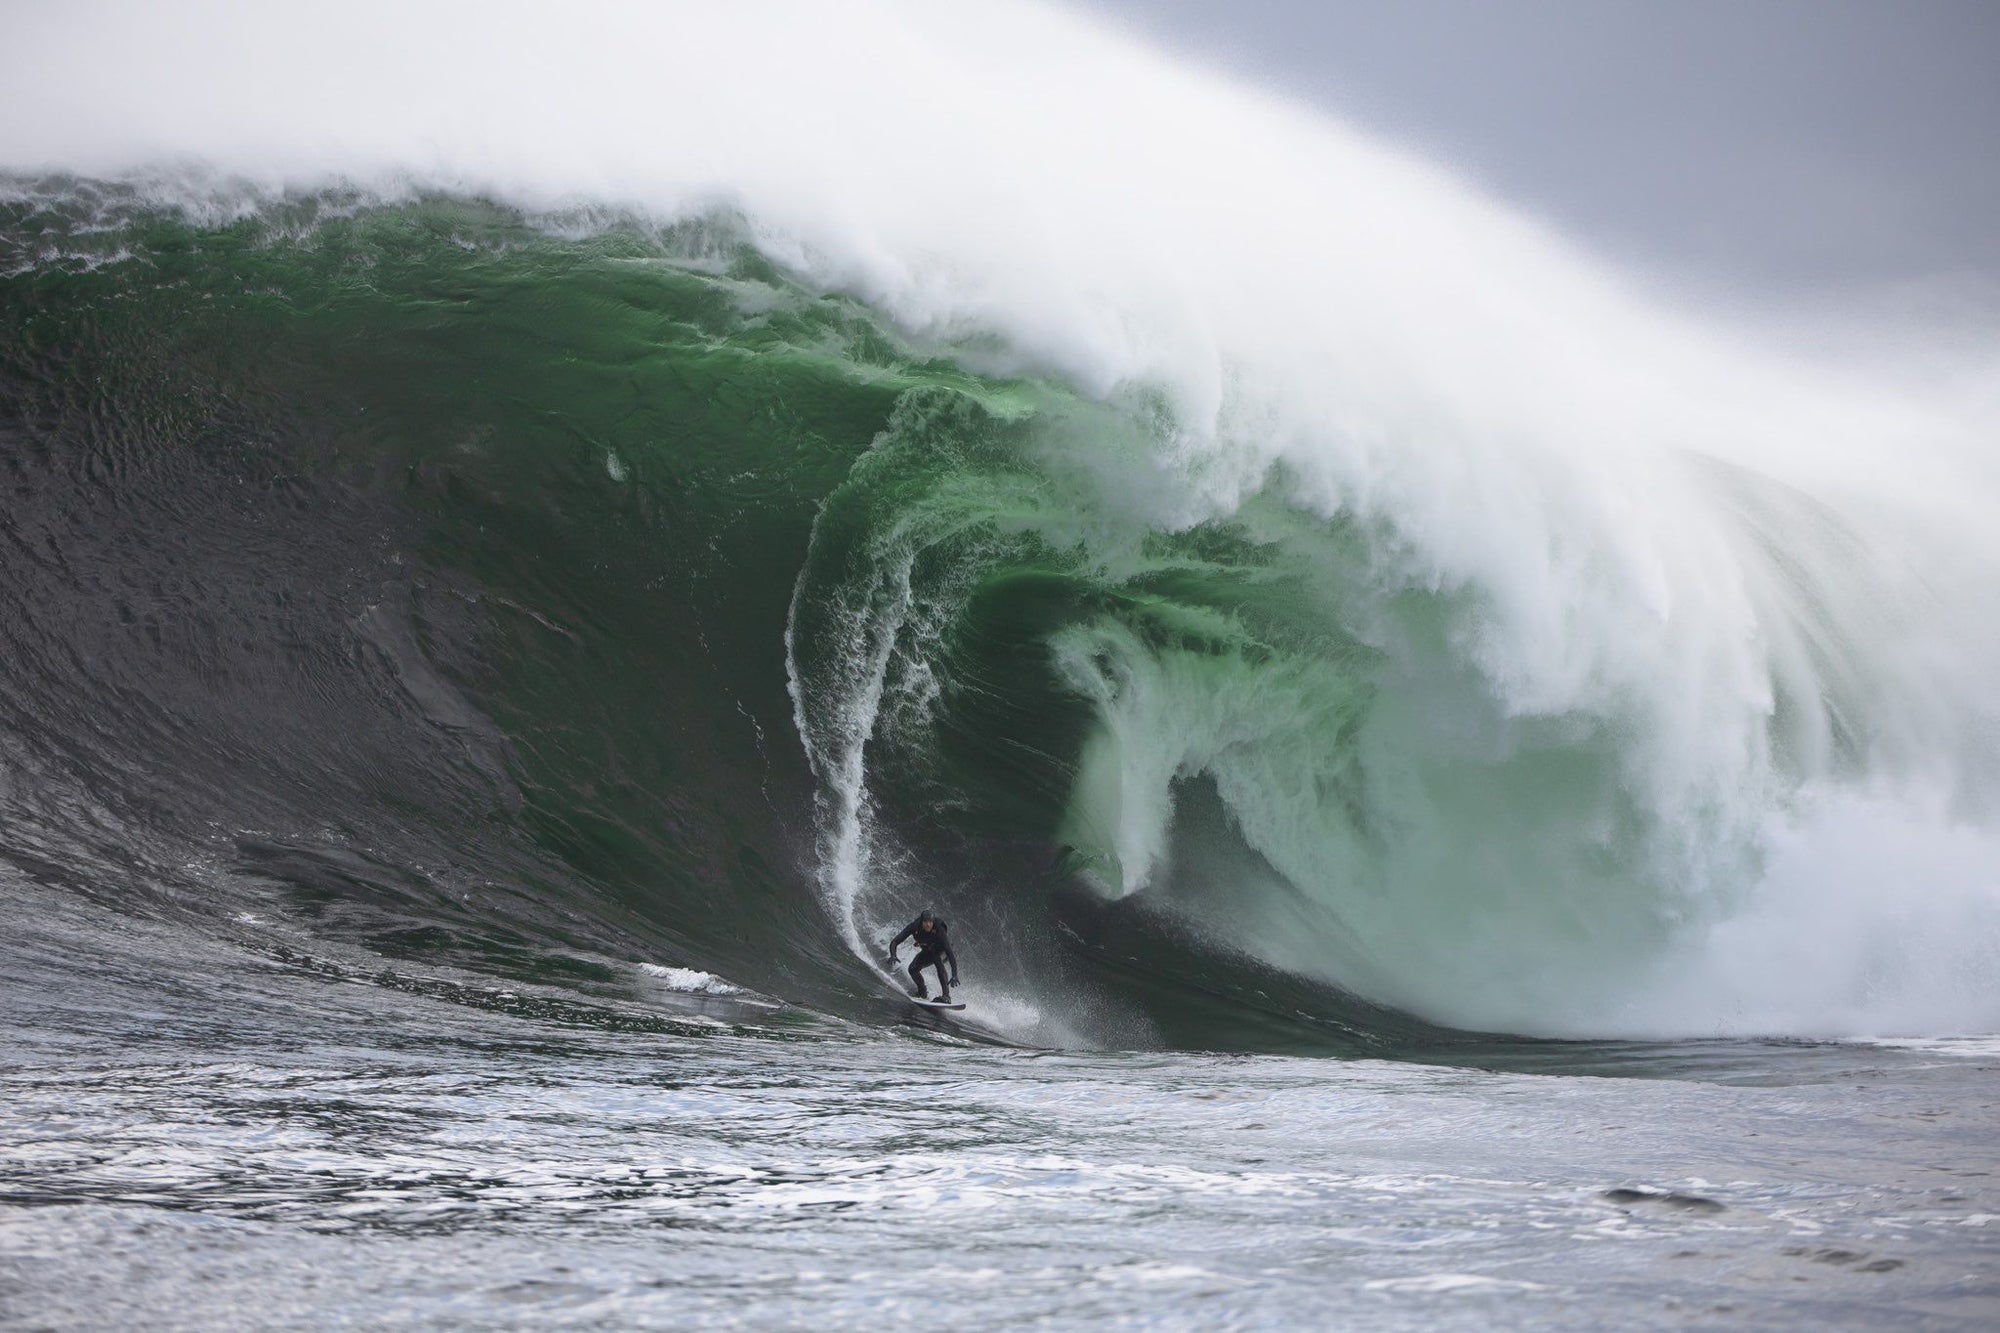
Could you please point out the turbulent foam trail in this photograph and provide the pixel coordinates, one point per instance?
(837, 718)
(1363, 578)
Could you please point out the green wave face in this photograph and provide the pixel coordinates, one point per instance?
(555, 492)
(1252, 728)
(750, 626)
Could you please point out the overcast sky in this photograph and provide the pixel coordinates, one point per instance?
(1787, 148)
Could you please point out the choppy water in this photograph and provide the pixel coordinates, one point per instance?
(243, 1141)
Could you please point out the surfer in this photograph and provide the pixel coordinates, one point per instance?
(933, 950)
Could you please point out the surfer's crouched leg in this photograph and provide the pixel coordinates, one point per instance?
(917, 964)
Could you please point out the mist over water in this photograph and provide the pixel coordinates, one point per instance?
(1576, 666)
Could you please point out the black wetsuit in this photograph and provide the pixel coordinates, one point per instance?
(933, 950)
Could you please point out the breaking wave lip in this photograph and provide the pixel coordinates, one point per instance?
(1744, 607)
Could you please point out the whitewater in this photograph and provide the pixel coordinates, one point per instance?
(535, 546)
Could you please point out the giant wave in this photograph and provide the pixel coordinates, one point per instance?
(951, 454)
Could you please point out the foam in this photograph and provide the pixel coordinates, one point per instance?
(690, 980)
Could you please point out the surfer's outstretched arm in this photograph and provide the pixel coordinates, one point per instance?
(908, 931)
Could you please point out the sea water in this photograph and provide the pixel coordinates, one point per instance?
(247, 1142)
(1464, 790)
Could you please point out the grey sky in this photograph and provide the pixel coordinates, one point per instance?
(1780, 147)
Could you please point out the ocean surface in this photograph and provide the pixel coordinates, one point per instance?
(1465, 795)
(217, 1130)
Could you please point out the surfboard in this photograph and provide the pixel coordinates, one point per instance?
(935, 1004)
